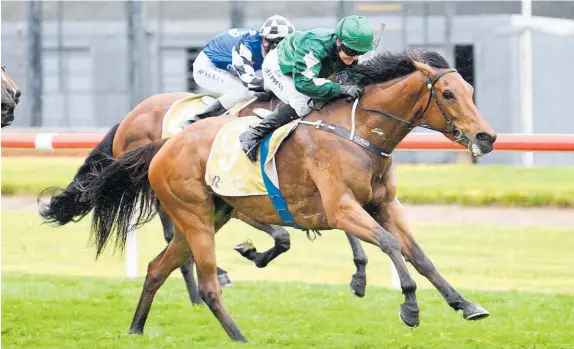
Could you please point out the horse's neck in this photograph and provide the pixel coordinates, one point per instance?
(401, 98)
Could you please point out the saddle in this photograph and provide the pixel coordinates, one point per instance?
(229, 172)
(184, 109)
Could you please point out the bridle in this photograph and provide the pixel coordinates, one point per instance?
(430, 85)
(7, 84)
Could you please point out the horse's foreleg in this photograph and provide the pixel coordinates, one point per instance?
(348, 215)
(187, 268)
(279, 234)
(392, 217)
(172, 257)
(359, 279)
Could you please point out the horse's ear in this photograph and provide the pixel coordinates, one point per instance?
(423, 68)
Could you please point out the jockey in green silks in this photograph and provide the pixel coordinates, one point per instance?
(297, 69)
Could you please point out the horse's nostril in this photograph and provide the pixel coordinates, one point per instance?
(484, 137)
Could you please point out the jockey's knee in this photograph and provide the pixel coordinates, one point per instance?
(301, 109)
(230, 99)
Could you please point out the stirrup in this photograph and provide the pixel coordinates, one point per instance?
(252, 149)
(252, 152)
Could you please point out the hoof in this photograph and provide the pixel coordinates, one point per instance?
(245, 248)
(240, 339)
(134, 331)
(358, 286)
(473, 311)
(409, 315)
(197, 301)
(224, 280)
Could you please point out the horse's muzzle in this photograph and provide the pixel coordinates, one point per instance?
(483, 144)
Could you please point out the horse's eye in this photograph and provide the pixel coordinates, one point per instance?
(448, 95)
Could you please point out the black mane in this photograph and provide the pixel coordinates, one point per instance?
(391, 65)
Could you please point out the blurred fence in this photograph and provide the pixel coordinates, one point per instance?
(413, 141)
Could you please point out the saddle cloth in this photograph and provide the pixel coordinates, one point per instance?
(187, 107)
(229, 172)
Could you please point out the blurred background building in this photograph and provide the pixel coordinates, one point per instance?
(85, 64)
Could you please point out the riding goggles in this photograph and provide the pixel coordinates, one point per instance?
(350, 52)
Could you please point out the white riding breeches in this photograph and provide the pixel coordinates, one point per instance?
(283, 85)
(221, 82)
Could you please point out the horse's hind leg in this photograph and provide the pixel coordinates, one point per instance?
(187, 267)
(172, 257)
(359, 279)
(279, 234)
(282, 244)
(200, 226)
(392, 217)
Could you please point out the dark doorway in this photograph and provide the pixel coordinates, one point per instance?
(464, 63)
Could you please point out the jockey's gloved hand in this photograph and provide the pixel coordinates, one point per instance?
(353, 91)
(341, 77)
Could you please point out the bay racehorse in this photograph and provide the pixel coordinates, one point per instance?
(335, 171)
(10, 98)
(141, 126)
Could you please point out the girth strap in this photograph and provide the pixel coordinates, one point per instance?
(275, 195)
(343, 132)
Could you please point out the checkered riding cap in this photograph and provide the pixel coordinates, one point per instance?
(276, 27)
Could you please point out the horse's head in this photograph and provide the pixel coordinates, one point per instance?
(450, 109)
(418, 88)
(10, 98)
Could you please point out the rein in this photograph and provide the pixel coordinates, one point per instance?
(342, 132)
(430, 86)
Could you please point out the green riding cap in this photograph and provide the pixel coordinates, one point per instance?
(355, 33)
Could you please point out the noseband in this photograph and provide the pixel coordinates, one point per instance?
(430, 85)
(7, 85)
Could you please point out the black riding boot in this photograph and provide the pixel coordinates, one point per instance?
(214, 109)
(251, 138)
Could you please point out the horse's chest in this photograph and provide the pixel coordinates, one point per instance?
(384, 184)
